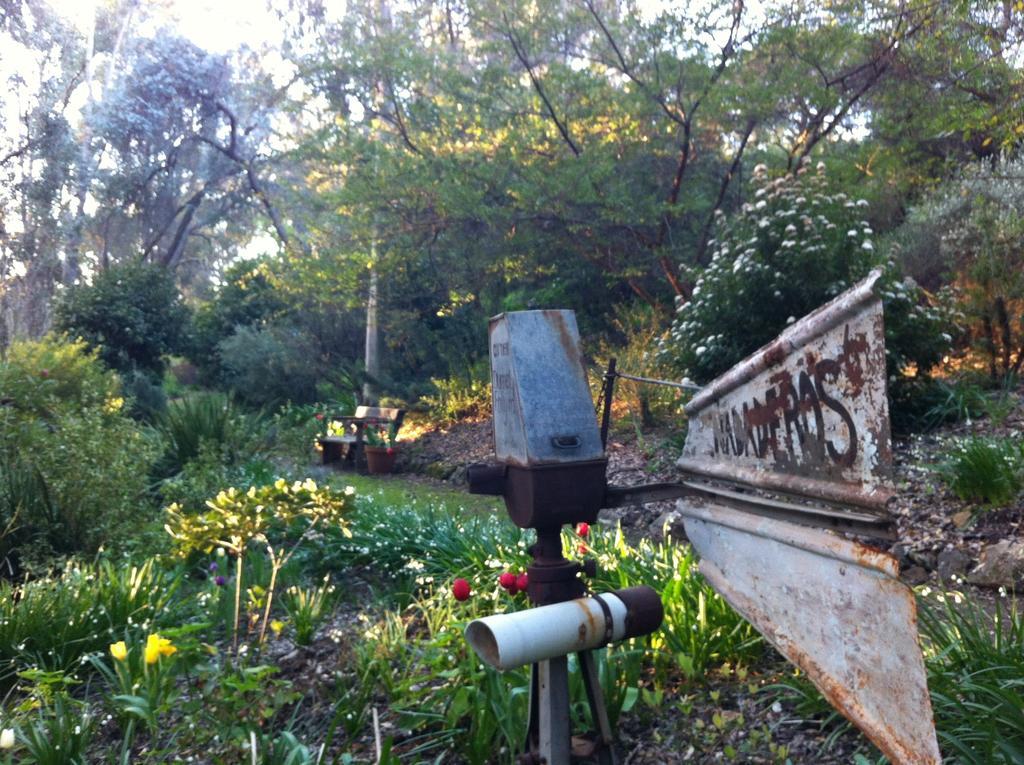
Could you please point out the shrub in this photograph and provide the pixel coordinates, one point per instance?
(132, 313)
(146, 398)
(460, 396)
(208, 421)
(779, 258)
(271, 365)
(990, 471)
(247, 298)
(639, 328)
(67, 450)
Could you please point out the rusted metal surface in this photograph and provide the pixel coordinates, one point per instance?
(834, 608)
(805, 415)
(543, 412)
(818, 514)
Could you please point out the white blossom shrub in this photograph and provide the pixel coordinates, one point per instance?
(793, 248)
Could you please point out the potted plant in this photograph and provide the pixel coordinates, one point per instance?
(380, 449)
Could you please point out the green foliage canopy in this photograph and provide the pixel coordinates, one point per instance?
(133, 314)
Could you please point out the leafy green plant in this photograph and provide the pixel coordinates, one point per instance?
(307, 608)
(236, 519)
(959, 401)
(420, 543)
(471, 719)
(382, 436)
(209, 420)
(241, 699)
(975, 665)
(60, 733)
(281, 749)
(700, 631)
(52, 622)
(460, 396)
(144, 680)
(70, 457)
(132, 313)
(986, 470)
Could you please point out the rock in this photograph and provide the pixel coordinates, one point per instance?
(900, 551)
(951, 563)
(960, 520)
(458, 476)
(922, 558)
(1001, 565)
(915, 575)
(439, 470)
(670, 524)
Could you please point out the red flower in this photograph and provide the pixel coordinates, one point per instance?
(583, 529)
(44, 373)
(582, 549)
(461, 589)
(522, 581)
(507, 580)
(318, 416)
(391, 450)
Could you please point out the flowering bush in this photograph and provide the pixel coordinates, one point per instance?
(796, 246)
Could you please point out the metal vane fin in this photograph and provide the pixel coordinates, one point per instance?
(806, 417)
(835, 609)
(807, 414)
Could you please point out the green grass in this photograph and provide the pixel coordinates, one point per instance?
(397, 491)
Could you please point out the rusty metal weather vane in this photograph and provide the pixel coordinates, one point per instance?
(782, 451)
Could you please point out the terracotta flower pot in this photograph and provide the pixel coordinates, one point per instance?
(380, 459)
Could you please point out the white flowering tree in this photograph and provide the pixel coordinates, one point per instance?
(792, 248)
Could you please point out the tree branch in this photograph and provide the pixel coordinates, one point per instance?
(524, 60)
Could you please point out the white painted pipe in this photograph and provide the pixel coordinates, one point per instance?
(507, 641)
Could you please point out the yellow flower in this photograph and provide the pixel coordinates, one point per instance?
(119, 650)
(277, 625)
(156, 647)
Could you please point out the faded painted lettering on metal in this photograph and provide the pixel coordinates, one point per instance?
(806, 413)
(543, 411)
